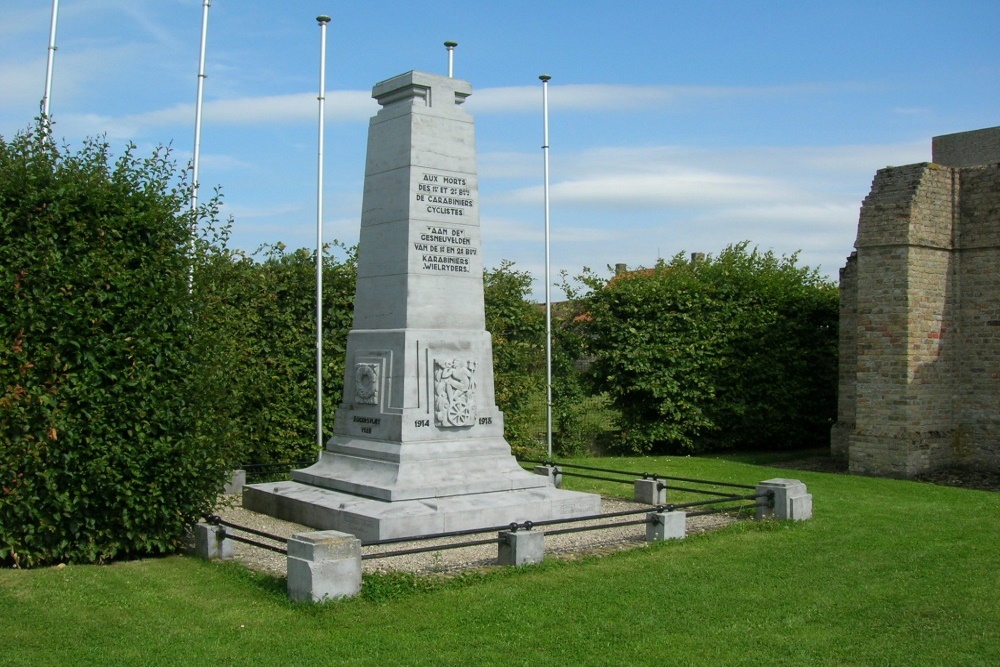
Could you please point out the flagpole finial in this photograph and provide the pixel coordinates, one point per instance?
(544, 77)
(450, 45)
(322, 19)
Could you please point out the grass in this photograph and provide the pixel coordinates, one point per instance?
(888, 573)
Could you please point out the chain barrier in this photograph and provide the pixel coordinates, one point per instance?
(513, 527)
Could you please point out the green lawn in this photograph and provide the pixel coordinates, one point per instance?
(887, 573)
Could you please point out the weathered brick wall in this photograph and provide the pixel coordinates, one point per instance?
(920, 324)
(847, 359)
(977, 385)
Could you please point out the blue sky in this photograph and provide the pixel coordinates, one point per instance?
(674, 126)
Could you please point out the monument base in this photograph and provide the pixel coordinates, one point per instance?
(432, 469)
(371, 520)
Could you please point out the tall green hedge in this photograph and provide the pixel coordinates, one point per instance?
(106, 428)
(737, 351)
(261, 311)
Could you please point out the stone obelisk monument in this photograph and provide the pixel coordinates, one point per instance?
(418, 445)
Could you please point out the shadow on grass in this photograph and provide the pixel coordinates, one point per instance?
(815, 458)
(269, 584)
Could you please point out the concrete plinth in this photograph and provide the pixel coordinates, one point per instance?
(791, 501)
(237, 481)
(210, 542)
(525, 547)
(666, 526)
(372, 520)
(553, 473)
(650, 491)
(323, 565)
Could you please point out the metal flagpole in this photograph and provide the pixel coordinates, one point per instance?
(197, 107)
(196, 160)
(47, 99)
(322, 20)
(548, 277)
(451, 57)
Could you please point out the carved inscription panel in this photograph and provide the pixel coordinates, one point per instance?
(451, 245)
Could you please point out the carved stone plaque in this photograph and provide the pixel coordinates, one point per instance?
(454, 392)
(366, 384)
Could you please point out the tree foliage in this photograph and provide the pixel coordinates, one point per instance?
(735, 351)
(108, 442)
(518, 330)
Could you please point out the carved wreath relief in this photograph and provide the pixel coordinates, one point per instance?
(454, 392)
(366, 384)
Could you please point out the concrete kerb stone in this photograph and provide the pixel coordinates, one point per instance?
(791, 500)
(666, 526)
(650, 491)
(554, 473)
(210, 542)
(522, 547)
(323, 565)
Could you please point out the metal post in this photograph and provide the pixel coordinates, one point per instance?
(196, 159)
(548, 278)
(451, 57)
(322, 20)
(197, 107)
(47, 99)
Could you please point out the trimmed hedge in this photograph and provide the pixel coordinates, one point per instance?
(737, 351)
(261, 311)
(105, 422)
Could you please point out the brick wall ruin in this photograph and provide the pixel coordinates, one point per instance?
(920, 316)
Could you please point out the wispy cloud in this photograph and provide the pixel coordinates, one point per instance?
(631, 203)
(515, 230)
(341, 106)
(618, 97)
(671, 187)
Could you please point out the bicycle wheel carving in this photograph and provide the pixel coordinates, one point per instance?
(454, 392)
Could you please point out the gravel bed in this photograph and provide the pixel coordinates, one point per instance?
(568, 545)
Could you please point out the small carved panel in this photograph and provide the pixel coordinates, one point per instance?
(454, 392)
(366, 384)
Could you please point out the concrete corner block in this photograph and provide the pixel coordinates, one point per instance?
(666, 526)
(525, 547)
(650, 491)
(210, 542)
(554, 473)
(236, 482)
(323, 565)
(792, 502)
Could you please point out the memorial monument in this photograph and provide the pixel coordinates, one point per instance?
(418, 445)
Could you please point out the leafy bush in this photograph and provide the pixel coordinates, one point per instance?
(738, 351)
(106, 422)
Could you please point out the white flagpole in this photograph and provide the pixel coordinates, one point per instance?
(322, 20)
(195, 163)
(548, 277)
(451, 57)
(47, 99)
(196, 160)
